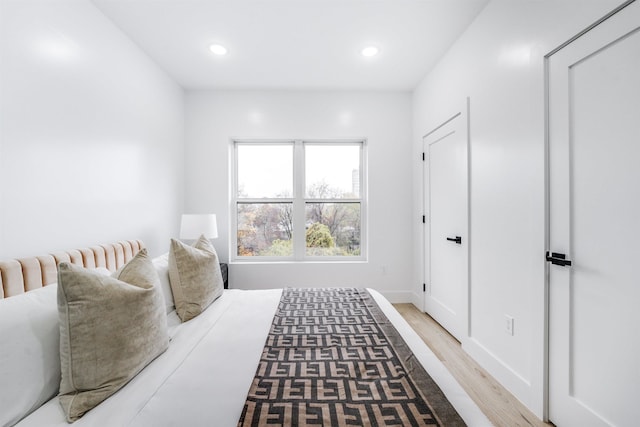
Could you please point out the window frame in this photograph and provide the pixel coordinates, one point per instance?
(298, 201)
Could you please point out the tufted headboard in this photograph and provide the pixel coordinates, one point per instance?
(18, 276)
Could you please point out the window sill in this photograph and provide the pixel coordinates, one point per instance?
(294, 262)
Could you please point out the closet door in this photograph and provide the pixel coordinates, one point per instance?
(446, 224)
(594, 225)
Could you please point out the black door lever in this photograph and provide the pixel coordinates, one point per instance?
(558, 259)
(457, 239)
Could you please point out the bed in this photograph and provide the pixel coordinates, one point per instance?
(209, 370)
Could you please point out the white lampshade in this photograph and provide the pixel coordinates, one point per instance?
(193, 226)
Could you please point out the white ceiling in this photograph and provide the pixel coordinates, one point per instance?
(294, 44)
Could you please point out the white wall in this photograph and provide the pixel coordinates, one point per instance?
(213, 117)
(91, 133)
(498, 63)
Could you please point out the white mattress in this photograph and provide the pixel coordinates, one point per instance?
(204, 376)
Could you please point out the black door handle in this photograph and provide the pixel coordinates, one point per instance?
(457, 239)
(556, 258)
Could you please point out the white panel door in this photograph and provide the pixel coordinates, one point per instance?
(594, 221)
(446, 237)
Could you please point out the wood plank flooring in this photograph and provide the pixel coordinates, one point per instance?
(500, 406)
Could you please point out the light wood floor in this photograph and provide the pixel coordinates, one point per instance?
(500, 406)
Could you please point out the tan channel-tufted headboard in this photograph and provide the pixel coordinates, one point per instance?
(18, 276)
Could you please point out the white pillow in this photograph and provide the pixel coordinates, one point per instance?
(173, 323)
(29, 353)
(161, 265)
(103, 271)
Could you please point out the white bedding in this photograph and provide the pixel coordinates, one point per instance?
(204, 376)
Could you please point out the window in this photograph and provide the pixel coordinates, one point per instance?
(299, 200)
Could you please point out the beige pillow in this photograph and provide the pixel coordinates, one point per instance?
(194, 273)
(111, 327)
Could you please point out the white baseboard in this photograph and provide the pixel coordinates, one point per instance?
(418, 300)
(398, 297)
(403, 297)
(517, 385)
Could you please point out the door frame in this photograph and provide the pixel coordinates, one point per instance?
(547, 203)
(462, 111)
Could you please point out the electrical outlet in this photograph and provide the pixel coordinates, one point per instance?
(508, 324)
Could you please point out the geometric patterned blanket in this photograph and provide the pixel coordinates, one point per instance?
(333, 359)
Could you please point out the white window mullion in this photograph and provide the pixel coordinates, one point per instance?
(299, 217)
(364, 199)
(233, 214)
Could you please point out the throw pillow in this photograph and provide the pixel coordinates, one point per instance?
(111, 327)
(194, 273)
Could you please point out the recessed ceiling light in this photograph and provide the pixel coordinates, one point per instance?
(370, 51)
(218, 49)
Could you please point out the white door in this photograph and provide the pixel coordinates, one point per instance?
(594, 222)
(446, 223)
